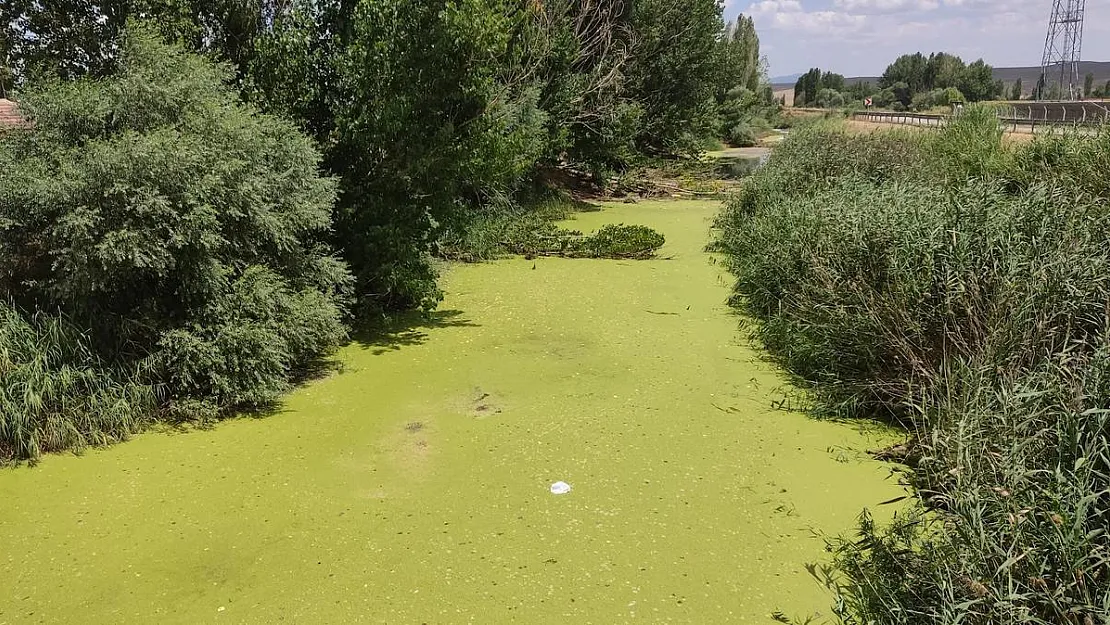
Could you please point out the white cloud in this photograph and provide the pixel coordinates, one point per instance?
(885, 6)
(773, 7)
(821, 22)
(789, 15)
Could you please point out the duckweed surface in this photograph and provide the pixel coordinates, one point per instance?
(413, 487)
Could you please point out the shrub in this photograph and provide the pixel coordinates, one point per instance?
(246, 345)
(960, 288)
(742, 135)
(152, 205)
(829, 99)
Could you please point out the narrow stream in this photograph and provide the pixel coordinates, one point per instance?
(413, 487)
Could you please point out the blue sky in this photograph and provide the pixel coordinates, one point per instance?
(860, 37)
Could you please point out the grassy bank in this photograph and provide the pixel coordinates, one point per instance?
(958, 286)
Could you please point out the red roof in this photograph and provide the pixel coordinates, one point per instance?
(9, 115)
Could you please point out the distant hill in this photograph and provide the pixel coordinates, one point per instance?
(787, 79)
(1028, 75)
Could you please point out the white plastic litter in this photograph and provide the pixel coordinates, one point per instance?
(560, 488)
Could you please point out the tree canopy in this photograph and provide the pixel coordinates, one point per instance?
(209, 193)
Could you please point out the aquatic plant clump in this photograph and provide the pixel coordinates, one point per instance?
(535, 233)
(55, 394)
(958, 285)
(616, 241)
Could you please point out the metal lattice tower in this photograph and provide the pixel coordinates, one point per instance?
(1062, 49)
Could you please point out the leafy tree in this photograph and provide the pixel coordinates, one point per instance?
(1088, 84)
(806, 87)
(1015, 90)
(582, 48)
(73, 38)
(978, 83)
(740, 61)
(902, 93)
(951, 95)
(944, 70)
(909, 69)
(813, 81)
(884, 98)
(181, 227)
(941, 70)
(429, 120)
(860, 90)
(672, 70)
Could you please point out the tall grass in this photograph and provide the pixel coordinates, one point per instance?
(961, 287)
(55, 394)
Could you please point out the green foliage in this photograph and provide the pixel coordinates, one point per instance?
(884, 98)
(913, 74)
(580, 50)
(811, 83)
(977, 83)
(429, 125)
(742, 135)
(958, 286)
(75, 38)
(672, 70)
(1015, 90)
(829, 99)
(740, 61)
(191, 235)
(913, 70)
(860, 90)
(56, 394)
(147, 204)
(243, 348)
(617, 241)
(937, 98)
(533, 233)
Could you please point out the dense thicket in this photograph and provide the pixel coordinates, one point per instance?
(161, 211)
(179, 232)
(958, 286)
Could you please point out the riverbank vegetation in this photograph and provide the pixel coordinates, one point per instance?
(912, 82)
(206, 197)
(958, 286)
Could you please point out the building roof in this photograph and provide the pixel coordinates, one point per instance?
(9, 115)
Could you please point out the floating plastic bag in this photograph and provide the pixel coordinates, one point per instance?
(560, 488)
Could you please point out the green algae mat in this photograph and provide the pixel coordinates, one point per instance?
(413, 486)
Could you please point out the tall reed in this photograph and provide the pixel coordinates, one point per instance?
(55, 394)
(960, 286)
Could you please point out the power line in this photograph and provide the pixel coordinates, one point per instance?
(1063, 47)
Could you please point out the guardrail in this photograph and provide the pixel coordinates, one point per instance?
(905, 119)
(1010, 121)
(1081, 112)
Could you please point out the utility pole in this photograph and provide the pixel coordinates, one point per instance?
(1063, 47)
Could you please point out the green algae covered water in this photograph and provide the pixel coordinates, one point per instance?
(413, 487)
